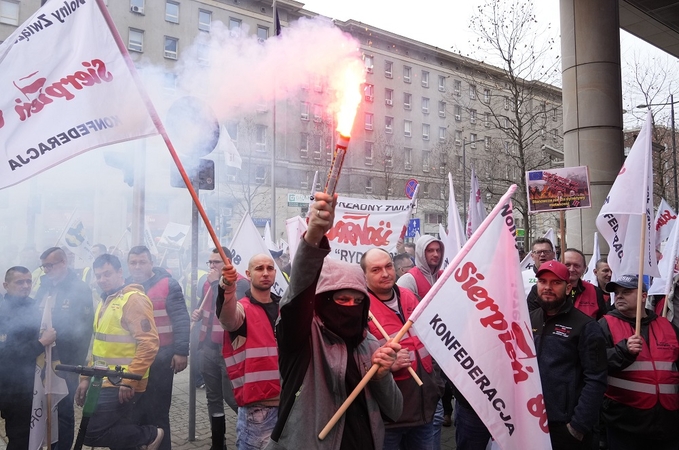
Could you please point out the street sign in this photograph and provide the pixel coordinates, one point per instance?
(411, 185)
(413, 228)
(260, 221)
(298, 200)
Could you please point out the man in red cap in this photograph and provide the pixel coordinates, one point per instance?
(571, 352)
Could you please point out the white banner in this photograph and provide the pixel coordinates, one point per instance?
(596, 256)
(246, 243)
(631, 196)
(455, 237)
(362, 224)
(477, 211)
(475, 323)
(64, 89)
(665, 218)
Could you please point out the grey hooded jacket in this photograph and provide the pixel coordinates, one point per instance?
(408, 281)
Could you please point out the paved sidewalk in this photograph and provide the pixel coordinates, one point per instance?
(179, 421)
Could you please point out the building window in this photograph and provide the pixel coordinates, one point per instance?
(318, 84)
(407, 101)
(407, 72)
(472, 115)
(135, 40)
(171, 47)
(486, 142)
(486, 120)
(506, 103)
(442, 134)
(425, 105)
(172, 12)
(433, 218)
(407, 158)
(262, 33)
(369, 91)
(170, 82)
(304, 145)
(425, 131)
(457, 87)
(388, 156)
(304, 111)
(458, 113)
(554, 113)
(425, 79)
(369, 121)
(425, 161)
(507, 123)
(9, 12)
(234, 24)
(369, 153)
(389, 97)
(260, 174)
(368, 185)
(317, 146)
(260, 138)
(388, 69)
(442, 109)
(407, 128)
(204, 20)
(555, 135)
(388, 125)
(318, 113)
(368, 60)
(472, 92)
(486, 96)
(442, 83)
(136, 6)
(458, 138)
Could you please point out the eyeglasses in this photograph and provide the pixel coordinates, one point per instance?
(542, 252)
(213, 263)
(49, 266)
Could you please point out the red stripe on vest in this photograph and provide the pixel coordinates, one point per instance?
(158, 294)
(423, 285)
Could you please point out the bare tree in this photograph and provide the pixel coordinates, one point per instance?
(388, 165)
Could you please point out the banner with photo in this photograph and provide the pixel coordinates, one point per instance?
(558, 189)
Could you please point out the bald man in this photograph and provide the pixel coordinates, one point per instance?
(250, 350)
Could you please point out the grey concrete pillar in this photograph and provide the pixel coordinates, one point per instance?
(592, 105)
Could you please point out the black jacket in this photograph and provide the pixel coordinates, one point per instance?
(571, 353)
(72, 316)
(176, 309)
(604, 307)
(657, 422)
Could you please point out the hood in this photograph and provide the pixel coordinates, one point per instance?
(337, 275)
(421, 261)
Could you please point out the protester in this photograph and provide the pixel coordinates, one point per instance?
(542, 251)
(603, 274)
(641, 406)
(72, 315)
(402, 264)
(124, 334)
(250, 349)
(392, 306)
(21, 342)
(218, 387)
(571, 353)
(428, 261)
(325, 349)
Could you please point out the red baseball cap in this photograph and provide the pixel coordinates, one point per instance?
(558, 269)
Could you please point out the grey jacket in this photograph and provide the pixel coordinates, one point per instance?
(408, 281)
(307, 349)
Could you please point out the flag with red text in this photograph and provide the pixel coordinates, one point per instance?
(630, 197)
(665, 218)
(65, 88)
(474, 321)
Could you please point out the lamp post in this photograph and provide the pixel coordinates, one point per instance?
(464, 184)
(674, 145)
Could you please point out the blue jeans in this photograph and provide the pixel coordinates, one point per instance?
(470, 432)
(436, 426)
(254, 426)
(419, 437)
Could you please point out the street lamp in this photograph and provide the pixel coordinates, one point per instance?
(674, 145)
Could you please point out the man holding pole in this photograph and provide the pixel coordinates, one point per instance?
(390, 308)
(325, 350)
(641, 405)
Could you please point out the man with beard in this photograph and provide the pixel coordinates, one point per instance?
(172, 322)
(250, 350)
(21, 342)
(325, 349)
(428, 261)
(571, 353)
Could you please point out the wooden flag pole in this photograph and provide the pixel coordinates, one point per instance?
(386, 336)
(640, 284)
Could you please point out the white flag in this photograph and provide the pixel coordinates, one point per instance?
(596, 256)
(631, 196)
(268, 240)
(455, 237)
(665, 218)
(474, 321)
(45, 382)
(174, 235)
(81, 97)
(149, 242)
(246, 243)
(477, 211)
(295, 228)
(75, 240)
(527, 262)
(666, 282)
(226, 144)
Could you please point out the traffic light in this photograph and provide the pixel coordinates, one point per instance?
(201, 172)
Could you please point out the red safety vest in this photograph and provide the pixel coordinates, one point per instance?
(158, 294)
(253, 367)
(423, 285)
(210, 321)
(587, 301)
(392, 325)
(653, 376)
